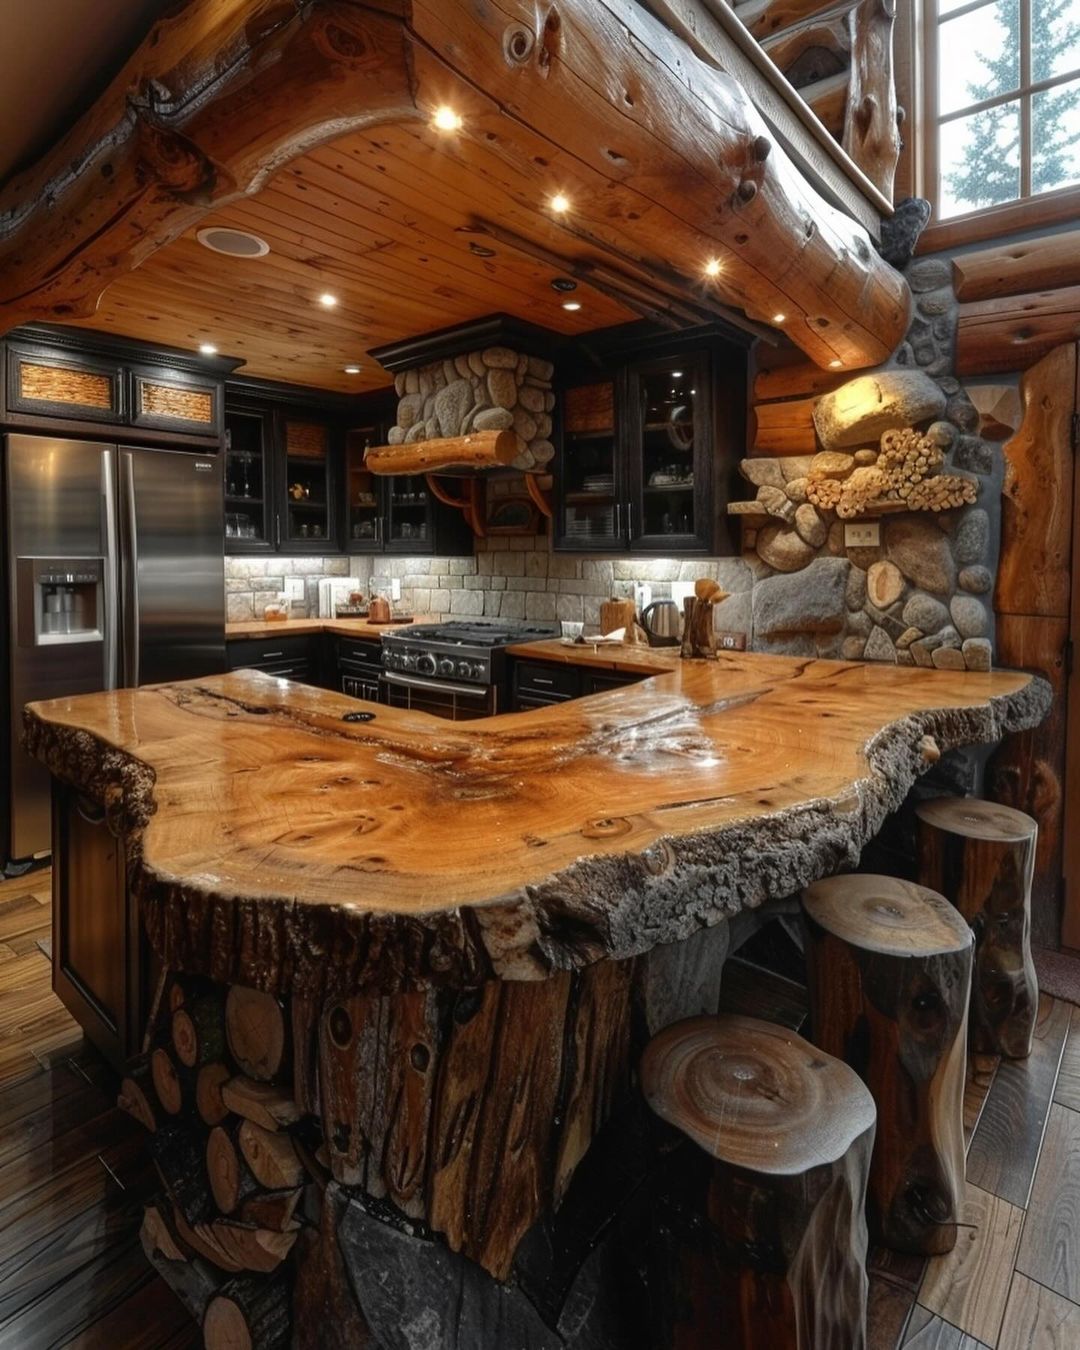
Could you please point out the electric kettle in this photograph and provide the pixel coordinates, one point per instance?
(662, 623)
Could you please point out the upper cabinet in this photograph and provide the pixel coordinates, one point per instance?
(398, 513)
(648, 454)
(70, 381)
(307, 513)
(249, 479)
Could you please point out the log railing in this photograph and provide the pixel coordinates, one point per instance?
(840, 58)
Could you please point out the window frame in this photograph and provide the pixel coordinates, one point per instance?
(1028, 210)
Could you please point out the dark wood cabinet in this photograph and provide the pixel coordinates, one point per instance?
(396, 514)
(172, 400)
(307, 509)
(103, 969)
(297, 657)
(249, 479)
(538, 684)
(648, 453)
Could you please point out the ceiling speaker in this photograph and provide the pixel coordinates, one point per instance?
(235, 243)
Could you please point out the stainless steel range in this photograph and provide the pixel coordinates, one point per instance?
(454, 669)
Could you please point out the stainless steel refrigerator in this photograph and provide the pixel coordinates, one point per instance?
(115, 577)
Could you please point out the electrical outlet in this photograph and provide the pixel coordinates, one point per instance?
(294, 588)
(867, 534)
(395, 588)
(728, 641)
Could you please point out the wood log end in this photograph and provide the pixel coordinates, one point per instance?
(886, 915)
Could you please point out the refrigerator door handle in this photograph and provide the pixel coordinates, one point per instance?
(110, 546)
(131, 572)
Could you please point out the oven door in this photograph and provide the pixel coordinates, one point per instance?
(441, 698)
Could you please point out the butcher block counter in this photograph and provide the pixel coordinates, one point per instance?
(436, 952)
(357, 628)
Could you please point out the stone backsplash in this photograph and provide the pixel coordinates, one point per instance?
(494, 389)
(252, 583)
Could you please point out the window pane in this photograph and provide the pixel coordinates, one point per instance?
(979, 55)
(980, 159)
(947, 6)
(1055, 38)
(1055, 137)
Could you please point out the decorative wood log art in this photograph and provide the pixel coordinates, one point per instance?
(904, 475)
(888, 974)
(788, 1133)
(219, 91)
(982, 856)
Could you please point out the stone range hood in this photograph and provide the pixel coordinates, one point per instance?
(473, 398)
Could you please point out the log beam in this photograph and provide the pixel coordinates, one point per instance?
(1014, 332)
(446, 454)
(675, 160)
(1012, 269)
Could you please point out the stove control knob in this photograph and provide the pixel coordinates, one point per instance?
(446, 666)
(425, 664)
(466, 670)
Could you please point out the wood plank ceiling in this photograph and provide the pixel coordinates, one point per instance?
(384, 221)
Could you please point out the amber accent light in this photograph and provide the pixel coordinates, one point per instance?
(560, 204)
(445, 118)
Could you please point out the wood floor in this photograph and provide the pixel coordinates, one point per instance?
(73, 1170)
(74, 1175)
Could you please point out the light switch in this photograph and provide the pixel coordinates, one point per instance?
(866, 534)
(294, 588)
(395, 588)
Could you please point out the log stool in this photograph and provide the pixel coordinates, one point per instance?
(982, 856)
(786, 1134)
(888, 976)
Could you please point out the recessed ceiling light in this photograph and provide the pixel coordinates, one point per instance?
(445, 119)
(352, 370)
(327, 300)
(836, 364)
(207, 349)
(676, 374)
(563, 284)
(712, 267)
(234, 243)
(571, 304)
(481, 250)
(779, 318)
(560, 203)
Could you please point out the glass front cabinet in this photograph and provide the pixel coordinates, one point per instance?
(249, 481)
(396, 514)
(647, 456)
(306, 513)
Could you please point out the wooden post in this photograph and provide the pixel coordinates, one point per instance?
(982, 856)
(789, 1134)
(888, 974)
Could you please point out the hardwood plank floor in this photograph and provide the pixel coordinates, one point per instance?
(1050, 1250)
(1038, 1319)
(1006, 1143)
(74, 1170)
(928, 1332)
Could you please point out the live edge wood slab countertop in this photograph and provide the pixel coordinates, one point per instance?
(273, 844)
(358, 628)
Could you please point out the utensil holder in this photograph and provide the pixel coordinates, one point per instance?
(699, 636)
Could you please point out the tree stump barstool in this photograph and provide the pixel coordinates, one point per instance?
(778, 1258)
(888, 976)
(982, 856)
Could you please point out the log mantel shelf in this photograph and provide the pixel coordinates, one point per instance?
(275, 845)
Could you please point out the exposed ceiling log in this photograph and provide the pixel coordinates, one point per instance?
(1011, 269)
(447, 454)
(230, 90)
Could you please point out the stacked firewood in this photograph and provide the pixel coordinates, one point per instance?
(903, 476)
(234, 1150)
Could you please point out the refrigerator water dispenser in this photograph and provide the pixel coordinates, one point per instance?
(60, 600)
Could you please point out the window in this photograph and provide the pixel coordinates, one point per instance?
(1003, 94)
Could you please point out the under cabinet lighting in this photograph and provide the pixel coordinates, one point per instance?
(207, 349)
(352, 370)
(571, 305)
(676, 374)
(712, 267)
(779, 318)
(327, 300)
(560, 204)
(445, 119)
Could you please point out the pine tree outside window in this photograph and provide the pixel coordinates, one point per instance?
(1004, 102)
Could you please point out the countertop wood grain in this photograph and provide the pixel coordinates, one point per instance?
(275, 844)
(360, 628)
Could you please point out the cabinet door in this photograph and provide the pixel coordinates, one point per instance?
(409, 522)
(668, 440)
(44, 383)
(249, 486)
(306, 512)
(590, 515)
(365, 516)
(169, 400)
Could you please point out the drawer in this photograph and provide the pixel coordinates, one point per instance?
(550, 681)
(523, 702)
(594, 682)
(357, 655)
(264, 652)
